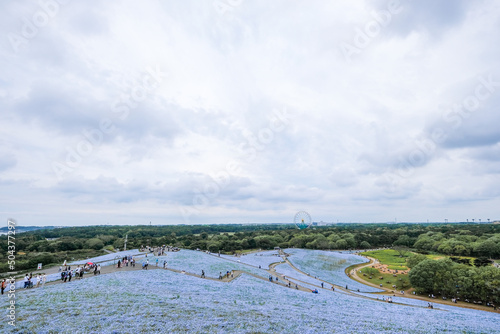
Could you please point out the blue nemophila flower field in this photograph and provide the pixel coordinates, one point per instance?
(195, 262)
(263, 259)
(109, 257)
(328, 266)
(295, 276)
(162, 301)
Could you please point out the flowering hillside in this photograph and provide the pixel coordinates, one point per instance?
(328, 266)
(164, 301)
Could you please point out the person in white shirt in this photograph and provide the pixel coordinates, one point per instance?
(44, 279)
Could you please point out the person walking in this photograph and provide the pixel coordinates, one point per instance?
(3, 285)
(38, 279)
(202, 276)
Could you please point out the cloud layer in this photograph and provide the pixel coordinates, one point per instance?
(246, 111)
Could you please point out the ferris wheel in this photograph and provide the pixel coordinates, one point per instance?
(302, 220)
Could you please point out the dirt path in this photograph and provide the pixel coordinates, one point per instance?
(271, 271)
(353, 274)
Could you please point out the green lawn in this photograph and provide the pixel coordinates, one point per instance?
(388, 280)
(390, 257)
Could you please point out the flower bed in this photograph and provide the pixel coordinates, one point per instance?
(108, 257)
(329, 266)
(263, 259)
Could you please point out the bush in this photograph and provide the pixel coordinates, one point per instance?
(94, 243)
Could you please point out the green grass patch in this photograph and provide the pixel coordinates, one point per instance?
(388, 280)
(397, 267)
(390, 257)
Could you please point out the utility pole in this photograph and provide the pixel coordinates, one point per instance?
(125, 246)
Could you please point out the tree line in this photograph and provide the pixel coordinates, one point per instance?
(56, 245)
(475, 281)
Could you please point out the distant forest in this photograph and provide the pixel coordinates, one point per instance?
(53, 246)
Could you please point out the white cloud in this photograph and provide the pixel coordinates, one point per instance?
(180, 112)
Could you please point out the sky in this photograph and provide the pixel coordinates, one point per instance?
(239, 111)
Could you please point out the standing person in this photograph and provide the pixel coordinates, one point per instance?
(119, 263)
(157, 262)
(202, 276)
(98, 269)
(38, 279)
(70, 275)
(3, 285)
(44, 279)
(322, 285)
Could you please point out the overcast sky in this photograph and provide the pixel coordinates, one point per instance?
(126, 112)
